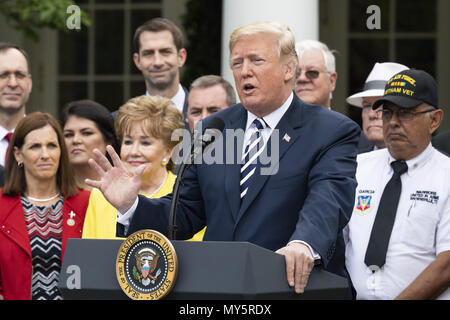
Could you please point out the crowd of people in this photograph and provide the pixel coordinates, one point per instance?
(371, 205)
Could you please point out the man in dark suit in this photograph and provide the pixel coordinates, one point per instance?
(298, 204)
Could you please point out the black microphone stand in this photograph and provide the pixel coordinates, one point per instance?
(187, 161)
(197, 147)
(173, 205)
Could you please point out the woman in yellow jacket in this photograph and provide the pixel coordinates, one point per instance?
(144, 126)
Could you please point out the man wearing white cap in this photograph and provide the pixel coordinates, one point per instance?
(372, 125)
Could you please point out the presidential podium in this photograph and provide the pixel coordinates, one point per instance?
(207, 270)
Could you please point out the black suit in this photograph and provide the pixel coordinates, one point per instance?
(364, 145)
(442, 142)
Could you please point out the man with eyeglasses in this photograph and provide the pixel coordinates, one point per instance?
(372, 125)
(316, 79)
(15, 89)
(398, 238)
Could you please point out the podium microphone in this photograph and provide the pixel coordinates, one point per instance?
(198, 146)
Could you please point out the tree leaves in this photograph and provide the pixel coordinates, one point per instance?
(29, 16)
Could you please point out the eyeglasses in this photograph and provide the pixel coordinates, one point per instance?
(311, 74)
(6, 76)
(402, 114)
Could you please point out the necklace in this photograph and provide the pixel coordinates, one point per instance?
(160, 186)
(43, 200)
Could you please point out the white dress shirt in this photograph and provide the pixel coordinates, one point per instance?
(421, 229)
(178, 98)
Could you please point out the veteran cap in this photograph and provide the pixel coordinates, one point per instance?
(410, 88)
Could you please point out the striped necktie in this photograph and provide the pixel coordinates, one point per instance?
(251, 154)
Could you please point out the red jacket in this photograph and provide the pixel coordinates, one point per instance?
(15, 248)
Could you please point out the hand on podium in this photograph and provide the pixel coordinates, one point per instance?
(299, 263)
(118, 184)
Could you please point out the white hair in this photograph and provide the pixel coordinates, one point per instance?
(328, 55)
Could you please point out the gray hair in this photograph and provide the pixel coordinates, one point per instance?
(328, 55)
(211, 80)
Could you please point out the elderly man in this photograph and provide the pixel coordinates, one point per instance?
(15, 89)
(398, 239)
(317, 75)
(159, 56)
(298, 206)
(372, 125)
(207, 95)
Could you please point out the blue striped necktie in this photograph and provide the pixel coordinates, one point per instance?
(251, 154)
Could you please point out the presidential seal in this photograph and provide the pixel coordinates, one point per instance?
(146, 265)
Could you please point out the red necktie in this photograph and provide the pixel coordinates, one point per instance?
(7, 137)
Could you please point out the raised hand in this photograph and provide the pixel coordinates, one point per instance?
(119, 185)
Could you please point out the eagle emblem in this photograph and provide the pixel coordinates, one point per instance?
(146, 262)
(363, 204)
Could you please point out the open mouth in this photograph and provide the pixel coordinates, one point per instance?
(248, 88)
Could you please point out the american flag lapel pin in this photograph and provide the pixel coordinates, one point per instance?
(286, 137)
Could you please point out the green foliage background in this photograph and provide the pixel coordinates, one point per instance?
(29, 16)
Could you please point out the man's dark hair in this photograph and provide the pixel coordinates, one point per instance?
(4, 46)
(157, 25)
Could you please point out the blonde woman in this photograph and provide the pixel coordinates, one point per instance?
(144, 126)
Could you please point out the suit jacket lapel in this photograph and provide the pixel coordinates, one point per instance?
(287, 134)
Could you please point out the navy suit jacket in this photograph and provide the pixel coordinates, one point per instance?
(364, 145)
(310, 198)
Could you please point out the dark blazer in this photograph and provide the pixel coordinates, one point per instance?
(310, 198)
(364, 145)
(2, 175)
(15, 248)
(442, 142)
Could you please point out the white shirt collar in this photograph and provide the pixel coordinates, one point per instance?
(416, 162)
(178, 98)
(3, 132)
(273, 118)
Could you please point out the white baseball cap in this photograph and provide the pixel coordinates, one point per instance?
(376, 81)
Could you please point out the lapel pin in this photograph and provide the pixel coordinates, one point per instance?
(71, 221)
(286, 137)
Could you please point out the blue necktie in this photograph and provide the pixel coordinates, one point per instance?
(251, 154)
